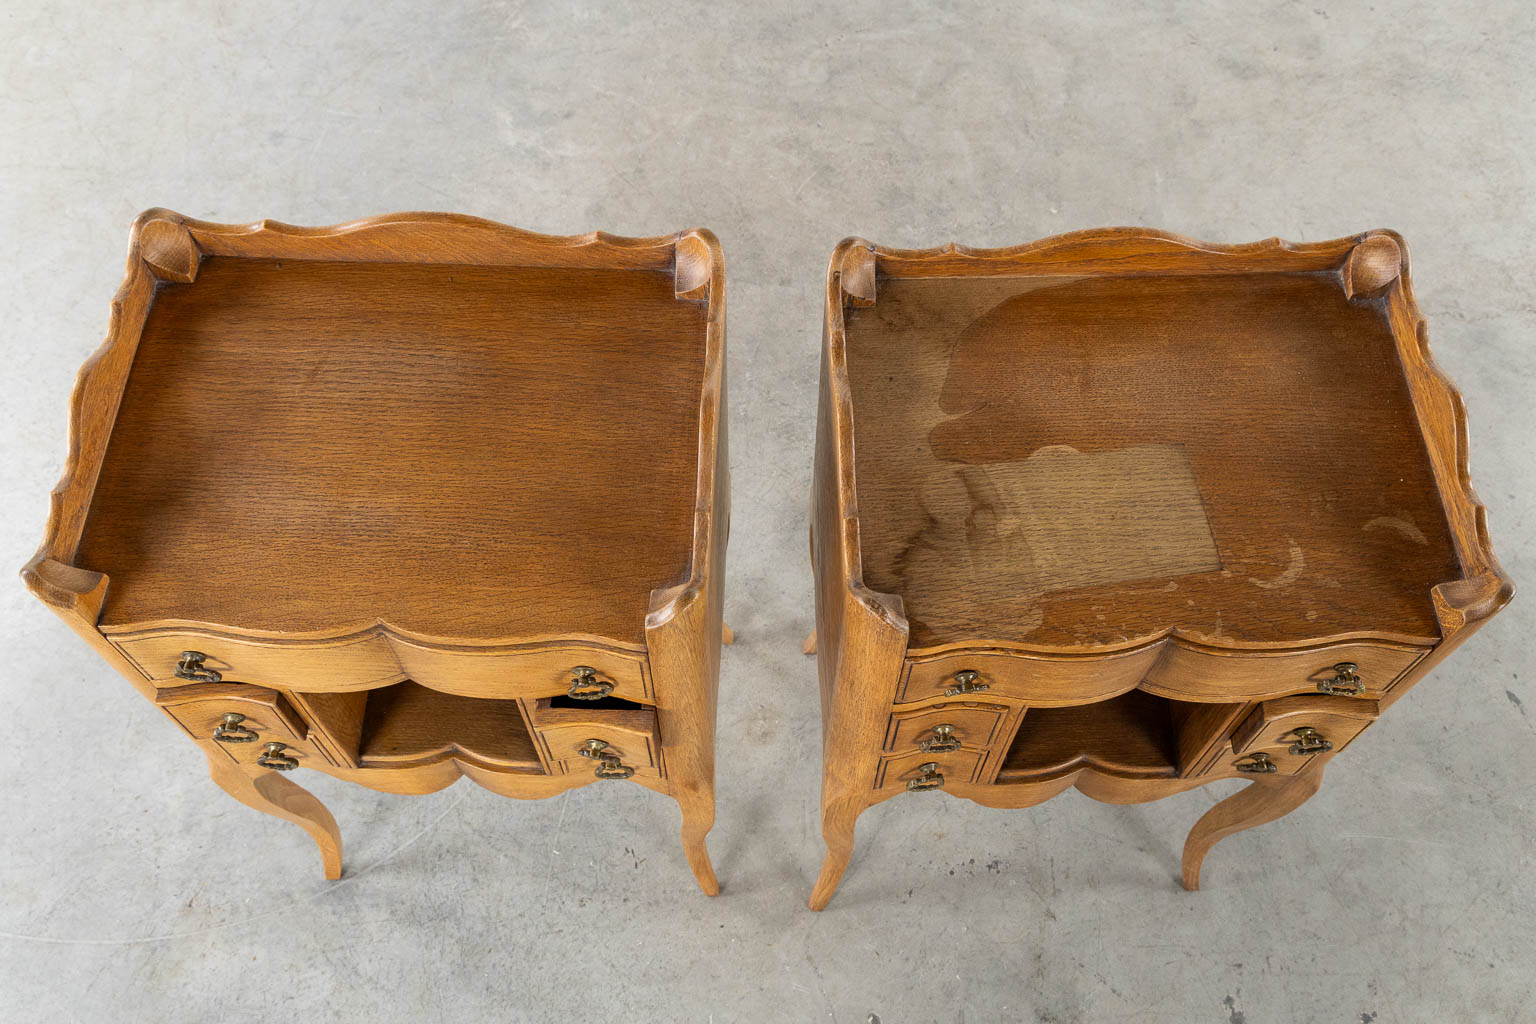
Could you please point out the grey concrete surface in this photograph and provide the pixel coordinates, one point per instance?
(132, 890)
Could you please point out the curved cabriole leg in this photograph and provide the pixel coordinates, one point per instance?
(698, 818)
(837, 831)
(1264, 800)
(272, 794)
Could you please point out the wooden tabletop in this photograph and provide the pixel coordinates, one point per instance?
(1075, 462)
(456, 450)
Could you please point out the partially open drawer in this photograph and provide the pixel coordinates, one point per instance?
(609, 737)
(1282, 736)
(253, 725)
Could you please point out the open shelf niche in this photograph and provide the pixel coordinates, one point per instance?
(407, 724)
(1136, 734)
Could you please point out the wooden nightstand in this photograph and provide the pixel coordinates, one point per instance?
(1128, 512)
(407, 499)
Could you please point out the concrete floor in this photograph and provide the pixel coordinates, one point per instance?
(132, 890)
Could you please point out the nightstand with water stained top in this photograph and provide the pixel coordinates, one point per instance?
(1127, 512)
(405, 500)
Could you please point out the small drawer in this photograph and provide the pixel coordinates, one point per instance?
(898, 770)
(1175, 670)
(249, 723)
(1302, 727)
(974, 726)
(565, 727)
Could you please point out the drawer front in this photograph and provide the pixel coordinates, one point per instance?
(565, 727)
(541, 672)
(362, 663)
(564, 742)
(1282, 736)
(242, 721)
(1038, 681)
(898, 770)
(974, 726)
(1278, 723)
(1206, 674)
(353, 664)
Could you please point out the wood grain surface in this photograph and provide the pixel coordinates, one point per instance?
(297, 439)
(1067, 462)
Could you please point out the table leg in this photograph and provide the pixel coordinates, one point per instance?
(1265, 799)
(837, 823)
(270, 793)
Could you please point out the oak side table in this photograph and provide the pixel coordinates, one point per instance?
(1132, 513)
(408, 499)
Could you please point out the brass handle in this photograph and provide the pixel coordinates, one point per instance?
(1309, 741)
(943, 741)
(586, 686)
(928, 777)
(1256, 764)
(272, 756)
(191, 667)
(1346, 681)
(608, 764)
(965, 682)
(229, 729)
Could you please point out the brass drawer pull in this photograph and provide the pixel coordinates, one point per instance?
(1346, 681)
(965, 682)
(928, 777)
(608, 764)
(229, 729)
(1309, 741)
(191, 667)
(272, 756)
(943, 741)
(1256, 764)
(586, 686)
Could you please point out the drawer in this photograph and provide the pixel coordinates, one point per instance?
(627, 731)
(1207, 674)
(242, 721)
(500, 673)
(1274, 723)
(898, 770)
(1035, 679)
(355, 663)
(1170, 670)
(587, 766)
(1276, 733)
(975, 726)
(365, 662)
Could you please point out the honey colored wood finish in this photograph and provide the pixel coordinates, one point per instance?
(400, 484)
(1186, 511)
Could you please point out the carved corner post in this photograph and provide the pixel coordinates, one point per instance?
(685, 627)
(861, 636)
